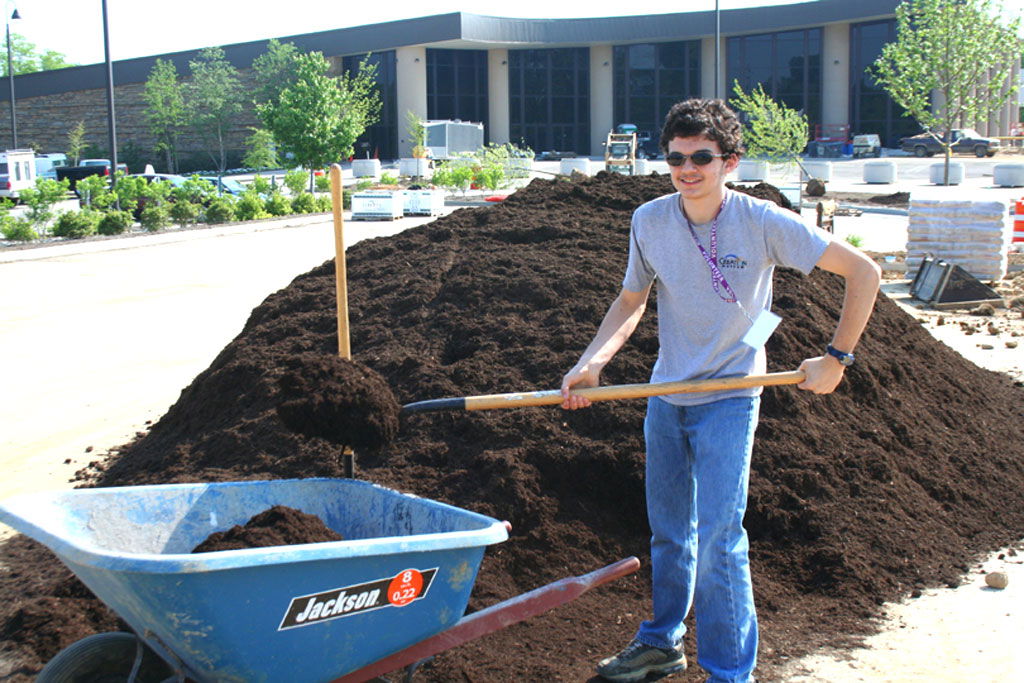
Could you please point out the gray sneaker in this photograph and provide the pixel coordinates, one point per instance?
(638, 660)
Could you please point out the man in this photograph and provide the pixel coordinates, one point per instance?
(699, 445)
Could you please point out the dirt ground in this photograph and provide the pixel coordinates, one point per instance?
(897, 483)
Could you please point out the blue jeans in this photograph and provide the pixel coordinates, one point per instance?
(698, 466)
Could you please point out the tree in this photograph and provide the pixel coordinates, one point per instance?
(165, 109)
(76, 142)
(26, 57)
(213, 100)
(262, 150)
(274, 70)
(773, 130)
(318, 118)
(958, 51)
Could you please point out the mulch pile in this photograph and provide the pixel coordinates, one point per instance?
(894, 483)
(278, 525)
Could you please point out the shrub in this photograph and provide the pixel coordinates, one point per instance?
(94, 191)
(260, 184)
(303, 202)
(155, 217)
(184, 212)
(250, 207)
(388, 179)
(220, 210)
(41, 198)
(75, 224)
(296, 180)
(115, 222)
(855, 240)
(194, 190)
(324, 204)
(17, 230)
(491, 177)
(323, 183)
(278, 205)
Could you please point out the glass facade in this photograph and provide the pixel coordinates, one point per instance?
(549, 99)
(786, 64)
(457, 85)
(381, 139)
(650, 78)
(871, 108)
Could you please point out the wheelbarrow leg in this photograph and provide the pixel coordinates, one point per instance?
(495, 617)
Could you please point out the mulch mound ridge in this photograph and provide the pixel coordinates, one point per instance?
(278, 525)
(895, 482)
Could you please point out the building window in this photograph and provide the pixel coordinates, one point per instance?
(549, 99)
(457, 85)
(650, 78)
(381, 139)
(871, 108)
(786, 64)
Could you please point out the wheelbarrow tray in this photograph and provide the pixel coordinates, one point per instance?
(307, 612)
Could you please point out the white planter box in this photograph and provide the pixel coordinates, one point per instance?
(822, 170)
(366, 168)
(377, 205)
(1008, 175)
(936, 173)
(750, 170)
(879, 172)
(424, 202)
(567, 166)
(414, 168)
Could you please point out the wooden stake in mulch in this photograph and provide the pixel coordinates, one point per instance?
(341, 287)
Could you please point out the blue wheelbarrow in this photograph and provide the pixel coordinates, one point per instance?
(389, 595)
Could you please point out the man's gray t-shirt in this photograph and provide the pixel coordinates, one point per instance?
(698, 331)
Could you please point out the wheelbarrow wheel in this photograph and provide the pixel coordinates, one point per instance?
(105, 658)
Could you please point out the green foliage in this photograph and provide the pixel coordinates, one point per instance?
(220, 210)
(75, 224)
(262, 150)
(364, 185)
(17, 229)
(324, 203)
(94, 191)
(184, 212)
(455, 174)
(213, 101)
(514, 161)
(296, 180)
(417, 134)
(773, 131)
(388, 179)
(194, 190)
(41, 198)
(491, 177)
(156, 193)
(250, 207)
(155, 217)
(260, 184)
(277, 204)
(317, 118)
(115, 222)
(128, 190)
(165, 109)
(274, 70)
(855, 240)
(76, 143)
(323, 182)
(304, 202)
(26, 57)
(960, 52)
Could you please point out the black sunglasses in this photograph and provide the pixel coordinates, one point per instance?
(701, 157)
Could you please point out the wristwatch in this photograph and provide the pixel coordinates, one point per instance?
(845, 359)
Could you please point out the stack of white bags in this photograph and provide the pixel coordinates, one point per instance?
(973, 235)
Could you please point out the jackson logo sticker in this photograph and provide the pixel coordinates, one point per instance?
(394, 591)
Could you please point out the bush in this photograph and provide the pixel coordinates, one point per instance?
(303, 202)
(388, 179)
(261, 185)
(184, 213)
(323, 183)
(115, 222)
(17, 230)
(75, 224)
(324, 204)
(220, 210)
(278, 205)
(155, 217)
(296, 181)
(250, 207)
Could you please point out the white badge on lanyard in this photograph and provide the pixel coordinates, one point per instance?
(761, 329)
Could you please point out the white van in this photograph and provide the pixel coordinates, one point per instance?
(17, 171)
(47, 164)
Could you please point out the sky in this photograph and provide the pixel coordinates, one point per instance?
(141, 28)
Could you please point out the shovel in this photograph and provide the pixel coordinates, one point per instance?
(607, 393)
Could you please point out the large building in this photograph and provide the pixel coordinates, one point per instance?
(551, 84)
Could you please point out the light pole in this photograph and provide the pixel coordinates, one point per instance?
(112, 128)
(718, 44)
(10, 79)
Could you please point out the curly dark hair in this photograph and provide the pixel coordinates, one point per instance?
(710, 118)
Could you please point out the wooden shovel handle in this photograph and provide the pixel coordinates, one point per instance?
(606, 393)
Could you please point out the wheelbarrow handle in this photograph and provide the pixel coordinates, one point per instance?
(606, 393)
(495, 617)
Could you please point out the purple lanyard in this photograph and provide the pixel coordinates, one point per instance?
(718, 281)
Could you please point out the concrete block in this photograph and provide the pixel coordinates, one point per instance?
(936, 173)
(1008, 175)
(879, 172)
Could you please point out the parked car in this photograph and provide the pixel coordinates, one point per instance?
(225, 185)
(17, 172)
(47, 164)
(85, 169)
(867, 145)
(965, 141)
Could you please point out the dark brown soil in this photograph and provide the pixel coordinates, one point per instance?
(897, 481)
(280, 525)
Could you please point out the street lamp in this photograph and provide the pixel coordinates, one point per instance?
(10, 78)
